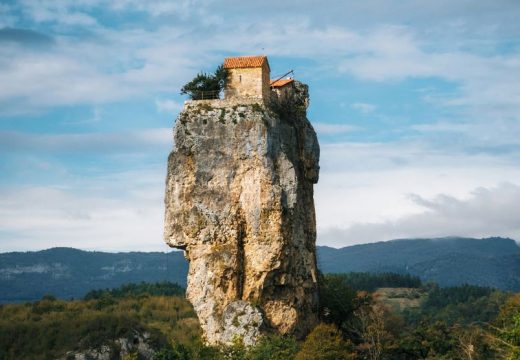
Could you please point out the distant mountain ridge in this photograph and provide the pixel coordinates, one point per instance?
(71, 273)
(493, 262)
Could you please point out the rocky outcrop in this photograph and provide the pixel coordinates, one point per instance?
(239, 202)
(138, 344)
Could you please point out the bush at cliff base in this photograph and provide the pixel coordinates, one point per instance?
(325, 342)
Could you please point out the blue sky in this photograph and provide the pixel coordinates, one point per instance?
(416, 105)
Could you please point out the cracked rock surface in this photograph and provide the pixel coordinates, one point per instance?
(239, 202)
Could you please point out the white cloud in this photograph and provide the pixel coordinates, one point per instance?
(168, 106)
(486, 212)
(6, 19)
(118, 212)
(139, 141)
(364, 108)
(486, 84)
(363, 186)
(156, 8)
(97, 115)
(115, 64)
(37, 80)
(367, 186)
(333, 129)
(478, 135)
(363, 195)
(70, 220)
(112, 66)
(60, 11)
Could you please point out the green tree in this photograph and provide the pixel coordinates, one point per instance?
(164, 288)
(508, 327)
(132, 356)
(472, 343)
(176, 352)
(206, 86)
(274, 348)
(235, 351)
(200, 351)
(370, 327)
(337, 300)
(423, 341)
(325, 342)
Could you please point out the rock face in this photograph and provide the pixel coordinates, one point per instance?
(121, 348)
(239, 202)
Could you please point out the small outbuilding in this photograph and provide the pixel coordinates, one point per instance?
(282, 86)
(249, 77)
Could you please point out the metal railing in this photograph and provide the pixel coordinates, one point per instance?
(206, 95)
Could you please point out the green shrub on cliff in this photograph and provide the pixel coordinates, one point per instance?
(206, 86)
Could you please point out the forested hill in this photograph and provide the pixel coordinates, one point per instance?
(70, 273)
(493, 262)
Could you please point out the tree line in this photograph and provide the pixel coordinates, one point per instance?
(464, 322)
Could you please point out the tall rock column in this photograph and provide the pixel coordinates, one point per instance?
(239, 202)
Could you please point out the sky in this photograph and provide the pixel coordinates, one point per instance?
(416, 105)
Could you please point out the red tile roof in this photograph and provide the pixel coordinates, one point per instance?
(245, 62)
(281, 82)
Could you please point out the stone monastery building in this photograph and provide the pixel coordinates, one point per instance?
(249, 77)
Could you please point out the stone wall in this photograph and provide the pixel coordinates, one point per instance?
(266, 82)
(220, 103)
(248, 83)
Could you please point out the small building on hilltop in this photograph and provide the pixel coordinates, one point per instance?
(249, 77)
(282, 86)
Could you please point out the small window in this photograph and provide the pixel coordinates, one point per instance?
(239, 78)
